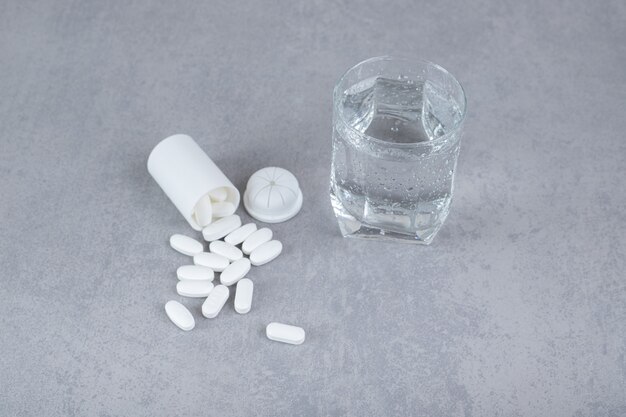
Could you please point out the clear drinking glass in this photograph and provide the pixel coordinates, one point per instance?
(396, 135)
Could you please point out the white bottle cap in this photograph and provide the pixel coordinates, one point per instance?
(272, 195)
(186, 174)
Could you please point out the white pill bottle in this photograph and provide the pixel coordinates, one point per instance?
(186, 174)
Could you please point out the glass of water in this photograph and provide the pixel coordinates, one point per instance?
(396, 136)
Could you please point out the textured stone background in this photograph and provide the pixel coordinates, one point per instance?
(517, 309)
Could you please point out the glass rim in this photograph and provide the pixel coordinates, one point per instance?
(384, 143)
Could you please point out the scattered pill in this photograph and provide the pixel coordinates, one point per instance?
(211, 260)
(285, 333)
(235, 271)
(185, 245)
(220, 228)
(215, 301)
(219, 194)
(223, 209)
(256, 239)
(227, 250)
(195, 273)
(243, 296)
(179, 315)
(195, 289)
(266, 252)
(237, 236)
(204, 211)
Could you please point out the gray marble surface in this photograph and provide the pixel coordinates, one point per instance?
(517, 309)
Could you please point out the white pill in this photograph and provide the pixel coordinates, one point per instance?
(195, 289)
(204, 211)
(235, 271)
(195, 273)
(220, 228)
(211, 260)
(215, 301)
(266, 252)
(179, 315)
(227, 250)
(241, 234)
(186, 245)
(256, 239)
(219, 194)
(223, 209)
(285, 333)
(243, 296)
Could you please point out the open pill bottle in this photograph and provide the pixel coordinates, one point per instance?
(186, 174)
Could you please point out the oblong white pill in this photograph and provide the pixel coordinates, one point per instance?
(266, 252)
(243, 296)
(215, 301)
(185, 245)
(219, 194)
(204, 211)
(220, 228)
(179, 315)
(285, 333)
(194, 289)
(256, 239)
(227, 250)
(235, 271)
(194, 273)
(237, 236)
(223, 209)
(211, 260)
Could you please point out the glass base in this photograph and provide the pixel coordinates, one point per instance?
(352, 227)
